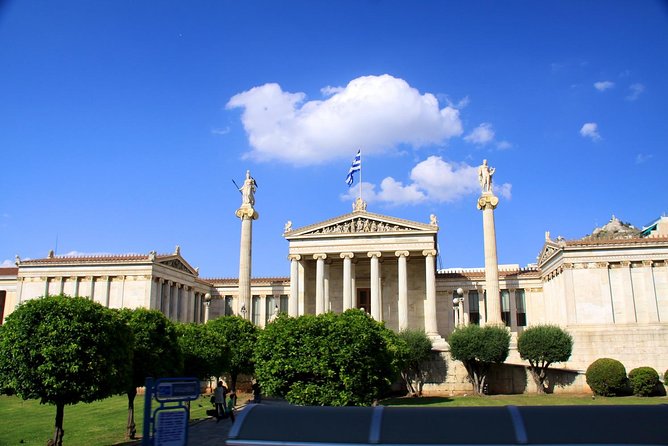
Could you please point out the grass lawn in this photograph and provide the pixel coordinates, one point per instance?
(99, 423)
(102, 423)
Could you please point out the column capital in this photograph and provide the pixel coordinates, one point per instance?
(374, 254)
(294, 257)
(246, 212)
(429, 252)
(487, 201)
(319, 256)
(648, 262)
(346, 255)
(401, 253)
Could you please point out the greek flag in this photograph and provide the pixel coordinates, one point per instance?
(354, 167)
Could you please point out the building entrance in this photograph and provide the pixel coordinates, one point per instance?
(364, 299)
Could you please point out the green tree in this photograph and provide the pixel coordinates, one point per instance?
(328, 359)
(203, 356)
(156, 352)
(239, 335)
(478, 348)
(542, 346)
(65, 350)
(414, 351)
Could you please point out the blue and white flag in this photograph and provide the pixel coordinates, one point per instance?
(354, 167)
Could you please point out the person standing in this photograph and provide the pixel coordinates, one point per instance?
(219, 400)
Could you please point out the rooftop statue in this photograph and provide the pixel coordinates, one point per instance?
(485, 177)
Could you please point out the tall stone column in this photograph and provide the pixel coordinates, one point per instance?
(347, 280)
(430, 323)
(403, 289)
(319, 282)
(247, 214)
(375, 285)
(487, 203)
(293, 302)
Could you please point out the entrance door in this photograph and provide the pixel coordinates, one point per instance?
(364, 299)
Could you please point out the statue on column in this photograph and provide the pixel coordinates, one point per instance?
(485, 177)
(248, 190)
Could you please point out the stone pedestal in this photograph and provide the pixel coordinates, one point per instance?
(487, 203)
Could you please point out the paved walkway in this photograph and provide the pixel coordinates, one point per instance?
(208, 432)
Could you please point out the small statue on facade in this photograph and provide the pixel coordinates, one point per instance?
(248, 190)
(288, 226)
(485, 174)
(359, 205)
(433, 220)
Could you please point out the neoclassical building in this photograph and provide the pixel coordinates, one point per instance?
(609, 290)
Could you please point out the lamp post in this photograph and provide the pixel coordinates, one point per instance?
(458, 306)
(243, 311)
(207, 303)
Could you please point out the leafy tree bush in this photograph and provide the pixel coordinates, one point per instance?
(203, 356)
(239, 335)
(543, 345)
(328, 359)
(644, 381)
(65, 350)
(478, 348)
(606, 377)
(156, 352)
(413, 351)
(665, 377)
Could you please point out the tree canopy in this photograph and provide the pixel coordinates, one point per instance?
(65, 350)
(328, 359)
(543, 345)
(156, 352)
(203, 356)
(478, 348)
(414, 351)
(239, 335)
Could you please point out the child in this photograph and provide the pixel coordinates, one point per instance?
(230, 405)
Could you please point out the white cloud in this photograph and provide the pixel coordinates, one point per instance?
(642, 157)
(603, 85)
(377, 113)
(504, 190)
(635, 91)
(590, 130)
(481, 135)
(503, 145)
(7, 264)
(224, 131)
(330, 91)
(432, 180)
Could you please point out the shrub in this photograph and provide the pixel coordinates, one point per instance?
(644, 381)
(606, 377)
(543, 345)
(665, 377)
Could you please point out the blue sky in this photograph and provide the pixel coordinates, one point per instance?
(123, 123)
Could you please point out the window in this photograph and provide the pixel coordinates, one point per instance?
(520, 304)
(283, 305)
(228, 310)
(505, 307)
(474, 308)
(255, 310)
(270, 309)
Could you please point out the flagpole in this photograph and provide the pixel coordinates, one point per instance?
(360, 174)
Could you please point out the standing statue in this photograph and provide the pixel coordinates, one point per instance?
(485, 176)
(248, 190)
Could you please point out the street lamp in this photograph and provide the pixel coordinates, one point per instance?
(207, 303)
(458, 306)
(243, 311)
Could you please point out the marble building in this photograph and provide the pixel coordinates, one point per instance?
(609, 290)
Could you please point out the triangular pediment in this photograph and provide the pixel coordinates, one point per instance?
(361, 223)
(177, 262)
(550, 249)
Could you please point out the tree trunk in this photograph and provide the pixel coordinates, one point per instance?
(131, 430)
(233, 381)
(58, 432)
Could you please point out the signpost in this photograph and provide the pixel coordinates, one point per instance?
(167, 424)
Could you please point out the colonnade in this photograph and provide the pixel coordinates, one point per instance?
(177, 301)
(348, 280)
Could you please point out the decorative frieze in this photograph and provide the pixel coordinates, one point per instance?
(360, 225)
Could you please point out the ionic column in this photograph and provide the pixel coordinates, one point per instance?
(375, 281)
(403, 290)
(319, 282)
(353, 286)
(430, 323)
(487, 203)
(263, 310)
(347, 280)
(293, 302)
(512, 308)
(327, 304)
(76, 286)
(107, 290)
